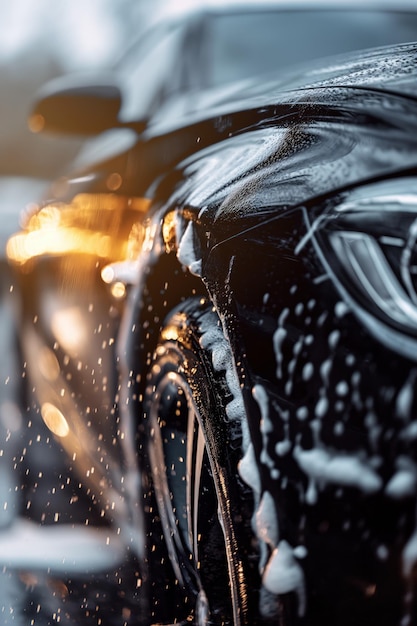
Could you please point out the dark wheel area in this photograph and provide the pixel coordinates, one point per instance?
(193, 475)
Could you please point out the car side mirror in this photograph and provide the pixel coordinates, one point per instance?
(76, 107)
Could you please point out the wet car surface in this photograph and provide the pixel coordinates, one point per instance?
(218, 325)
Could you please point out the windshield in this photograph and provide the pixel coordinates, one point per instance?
(182, 58)
(245, 45)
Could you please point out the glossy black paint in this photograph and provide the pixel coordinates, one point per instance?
(244, 198)
(73, 110)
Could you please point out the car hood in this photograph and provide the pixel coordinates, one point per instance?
(355, 121)
(380, 84)
(390, 68)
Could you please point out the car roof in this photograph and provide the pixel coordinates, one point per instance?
(181, 11)
(183, 8)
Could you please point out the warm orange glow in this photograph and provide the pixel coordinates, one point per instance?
(23, 247)
(36, 123)
(170, 333)
(135, 241)
(168, 229)
(54, 420)
(68, 326)
(118, 290)
(92, 224)
(108, 274)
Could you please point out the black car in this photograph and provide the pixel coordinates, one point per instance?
(219, 310)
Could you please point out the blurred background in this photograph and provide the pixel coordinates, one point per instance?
(44, 39)
(40, 41)
(79, 571)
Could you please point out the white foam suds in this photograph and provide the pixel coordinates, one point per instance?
(266, 521)
(248, 470)
(187, 252)
(402, 485)
(213, 339)
(341, 469)
(278, 339)
(405, 398)
(284, 575)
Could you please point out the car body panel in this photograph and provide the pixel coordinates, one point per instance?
(383, 73)
(247, 199)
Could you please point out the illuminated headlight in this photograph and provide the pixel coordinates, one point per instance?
(368, 244)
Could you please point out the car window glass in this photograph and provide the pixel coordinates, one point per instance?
(244, 45)
(149, 73)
